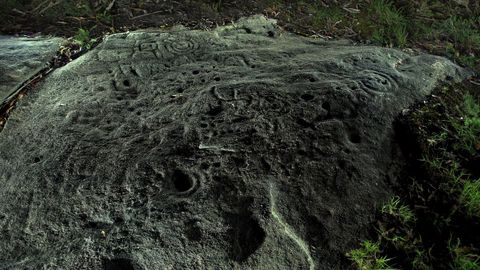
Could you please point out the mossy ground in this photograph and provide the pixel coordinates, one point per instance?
(434, 223)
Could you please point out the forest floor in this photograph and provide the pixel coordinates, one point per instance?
(433, 223)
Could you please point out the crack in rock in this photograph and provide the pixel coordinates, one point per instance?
(288, 230)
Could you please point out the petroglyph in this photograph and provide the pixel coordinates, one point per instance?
(151, 151)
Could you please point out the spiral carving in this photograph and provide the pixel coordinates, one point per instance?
(373, 81)
(179, 46)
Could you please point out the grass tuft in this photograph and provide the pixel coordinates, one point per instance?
(462, 32)
(468, 131)
(470, 197)
(367, 257)
(462, 258)
(388, 23)
(395, 208)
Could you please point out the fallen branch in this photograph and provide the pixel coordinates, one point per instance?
(50, 5)
(145, 15)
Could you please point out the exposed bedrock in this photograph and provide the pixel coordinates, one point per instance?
(21, 58)
(243, 147)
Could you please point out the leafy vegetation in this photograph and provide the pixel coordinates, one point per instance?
(83, 39)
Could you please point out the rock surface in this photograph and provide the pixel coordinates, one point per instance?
(21, 58)
(240, 148)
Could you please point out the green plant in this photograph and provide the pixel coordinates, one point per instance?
(83, 39)
(395, 208)
(470, 197)
(367, 257)
(462, 258)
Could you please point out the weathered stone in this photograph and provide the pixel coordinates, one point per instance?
(244, 147)
(21, 58)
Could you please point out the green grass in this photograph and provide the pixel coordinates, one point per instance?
(463, 259)
(463, 37)
(468, 130)
(368, 257)
(420, 261)
(438, 138)
(385, 24)
(462, 32)
(470, 197)
(449, 168)
(395, 208)
(326, 17)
